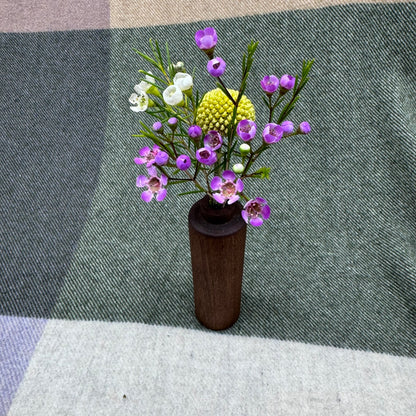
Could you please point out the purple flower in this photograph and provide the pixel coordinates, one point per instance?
(216, 66)
(206, 39)
(269, 84)
(183, 162)
(304, 127)
(254, 210)
(206, 156)
(155, 185)
(287, 82)
(173, 121)
(272, 133)
(213, 140)
(161, 158)
(227, 188)
(246, 129)
(287, 127)
(147, 156)
(195, 132)
(158, 127)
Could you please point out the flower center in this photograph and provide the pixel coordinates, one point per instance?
(151, 155)
(245, 128)
(228, 189)
(154, 184)
(214, 140)
(216, 64)
(254, 209)
(204, 154)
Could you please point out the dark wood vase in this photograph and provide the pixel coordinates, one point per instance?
(217, 238)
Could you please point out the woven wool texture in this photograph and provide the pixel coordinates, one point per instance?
(96, 297)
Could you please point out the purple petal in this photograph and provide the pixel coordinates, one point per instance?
(141, 181)
(228, 175)
(261, 200)
(219, 198)
(216, 183)
(240, 185)
(233, 199)
(161, 194)
(265, 212)
(152, 170)
(163, 179)
(139, 160)
(245, 216)
(144, 151)
(256, 222)
(147, 196)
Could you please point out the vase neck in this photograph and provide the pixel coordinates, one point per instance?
(217, 214)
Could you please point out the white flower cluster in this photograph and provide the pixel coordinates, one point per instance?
(172, 95)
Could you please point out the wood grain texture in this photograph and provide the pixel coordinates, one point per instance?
(217, 254)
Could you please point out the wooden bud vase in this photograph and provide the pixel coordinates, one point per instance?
(217, 238)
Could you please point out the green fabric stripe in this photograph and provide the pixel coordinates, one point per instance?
(335, 264)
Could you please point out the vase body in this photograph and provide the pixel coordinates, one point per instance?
(217, 239)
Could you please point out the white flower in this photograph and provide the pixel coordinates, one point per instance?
(140, 101)
(173, 95)
(183, 81)
(144, 85)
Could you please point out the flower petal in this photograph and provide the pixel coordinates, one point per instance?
(141, 181)
(139, 160)
(233, 199)
(144, 151)
(219, 198)
(216, 183)
(256, 222)
(229, 175)
(240, 185)
(147, 196)
(163, 179)
(245, 216)
(265, 212)
(152, 170)
(161, 194)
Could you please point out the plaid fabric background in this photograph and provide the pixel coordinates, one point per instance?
(96, 302)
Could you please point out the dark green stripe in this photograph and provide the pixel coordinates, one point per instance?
(335, 264)
(53, 100)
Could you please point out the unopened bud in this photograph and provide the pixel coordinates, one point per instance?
(238, 168)
(244, 149)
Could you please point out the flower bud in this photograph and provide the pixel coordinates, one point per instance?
(287, 82)
(161, 158)
(158, 127)
(304, 128)
(287, 127)
(238, 168)
(195, 132)
(179, 67)
(173, 122)
(245, 149)
(183, 162)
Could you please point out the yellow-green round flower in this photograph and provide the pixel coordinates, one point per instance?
(216, 110)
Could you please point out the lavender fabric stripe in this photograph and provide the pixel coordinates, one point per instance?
(50, 15)
(18, 339)
(126, 14)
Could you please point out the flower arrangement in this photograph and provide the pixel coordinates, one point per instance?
(210, 140)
